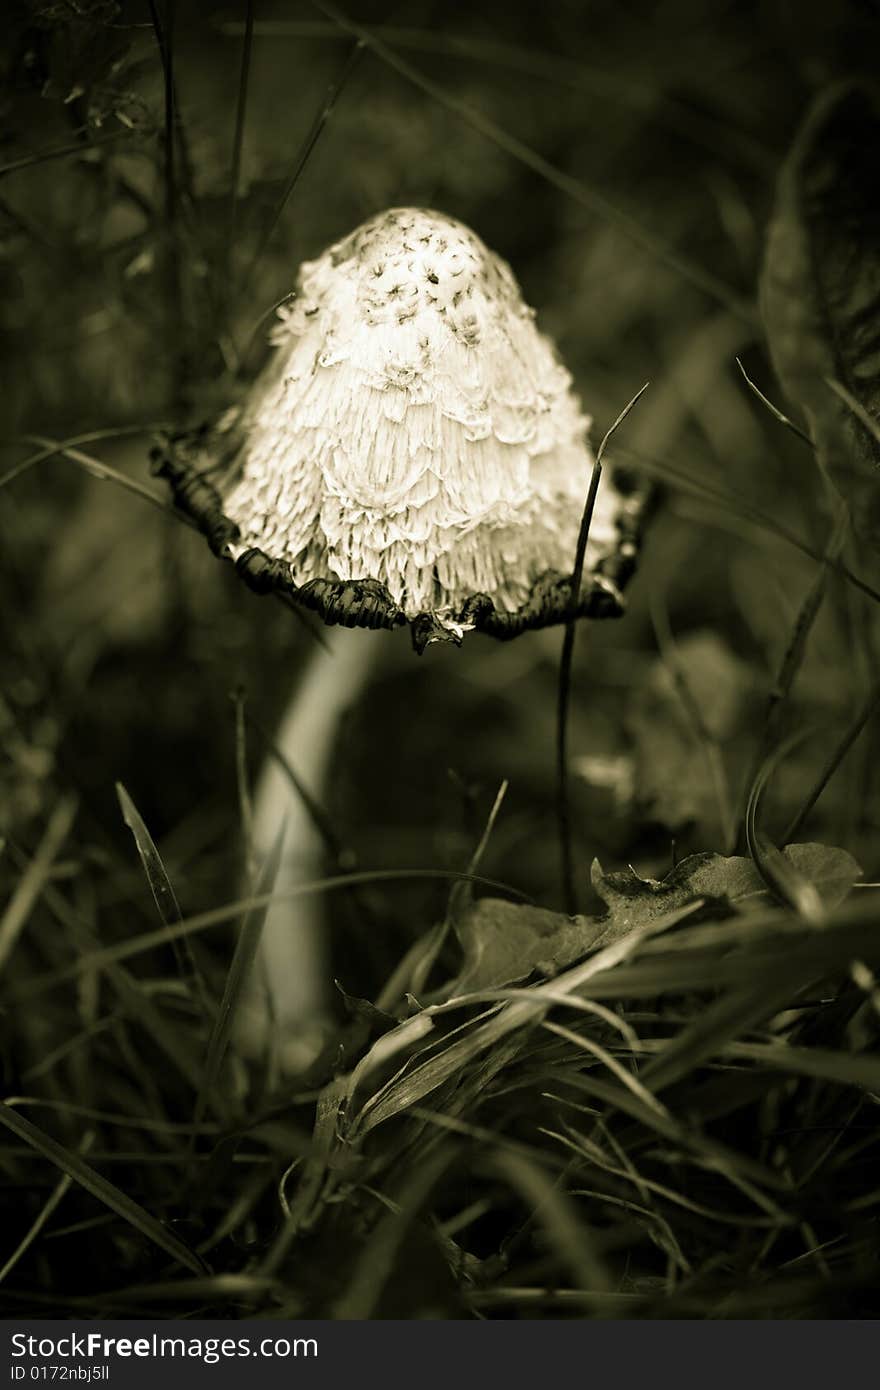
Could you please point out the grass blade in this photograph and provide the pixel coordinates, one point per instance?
(147, 941)
(410, 1086)
(240, 113)
(730, 504)
(55, 1197)
(160, 886)
(360, 1300)
(861, 414)
(157, 877)
(32, 881)
(92, 437)
(774, 410)
(412, 971)
(305, 152)
(779, 874)
(795, 651)
(239, 969)
(575, 189)
(81, 1172)
(559, 1216)
(730, 1016)
(61, 151)
(844, 1068)
(868, 710)
(50, 448)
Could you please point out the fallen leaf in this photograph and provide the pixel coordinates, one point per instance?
(726, 883)
(832, 871)
(504, 942)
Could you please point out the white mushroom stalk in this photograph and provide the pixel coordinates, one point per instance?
(286, 1001)
(412, 454)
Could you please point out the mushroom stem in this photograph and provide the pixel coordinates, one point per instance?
(288, 994)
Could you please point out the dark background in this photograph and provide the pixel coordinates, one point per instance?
(130, 301)
(122, 638)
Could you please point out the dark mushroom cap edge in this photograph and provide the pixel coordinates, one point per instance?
(366, 602)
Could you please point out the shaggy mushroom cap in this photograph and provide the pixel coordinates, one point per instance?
(413, 451)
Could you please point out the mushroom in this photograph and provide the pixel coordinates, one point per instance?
(412, 454)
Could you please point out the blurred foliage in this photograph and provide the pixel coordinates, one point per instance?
(821, 291)
(136, 285)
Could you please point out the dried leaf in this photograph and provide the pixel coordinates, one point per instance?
(821, 290)
(505, 942)
(726, 884)
(376, 1020)
(832, 871)
(633, 901)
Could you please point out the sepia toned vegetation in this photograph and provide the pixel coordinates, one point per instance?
(662, 1104)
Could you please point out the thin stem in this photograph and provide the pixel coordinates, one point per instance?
(774, 409)
(305, 152)
(795, 651)
(563, 702)
(100, 956)
(173, 276)
(58, 446)
(779, 874)
(252, 338)
(861, 414)
(51, 448)
(731, 503)
(870, 707)
(245, 803)
(60, 151)
(575, 189)
(241, 111)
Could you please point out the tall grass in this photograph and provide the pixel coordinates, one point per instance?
(666, 1108)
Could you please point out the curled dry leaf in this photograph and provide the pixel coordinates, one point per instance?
(726, 884)
(505, 942)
